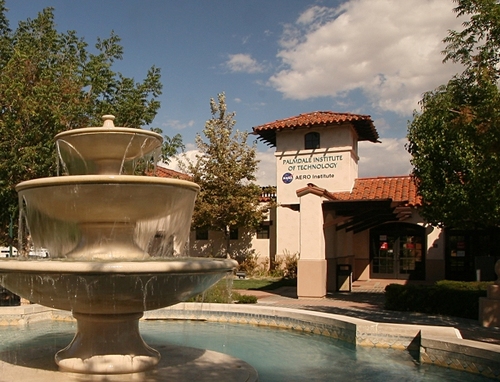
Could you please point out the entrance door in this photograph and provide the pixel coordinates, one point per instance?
(397, 252)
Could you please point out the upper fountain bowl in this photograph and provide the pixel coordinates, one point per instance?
(105, 208)
(105, 150)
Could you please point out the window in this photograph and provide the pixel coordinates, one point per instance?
(397, 251)
(263, 232)
(311, 141)
(233, 234)
(201, 233)
(470, 251)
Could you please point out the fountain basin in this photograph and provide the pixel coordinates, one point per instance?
(107, 300)
(93, 287)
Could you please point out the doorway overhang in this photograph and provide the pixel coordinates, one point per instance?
(361, 215)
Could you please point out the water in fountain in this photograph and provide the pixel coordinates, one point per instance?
(116, 242)
(279, 355)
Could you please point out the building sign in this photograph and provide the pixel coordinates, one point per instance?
(314, 167)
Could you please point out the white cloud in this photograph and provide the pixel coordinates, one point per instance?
(388, 158)
(389, 49)
(243, 63)
(189, 154)
(178, 125)
(266, 173)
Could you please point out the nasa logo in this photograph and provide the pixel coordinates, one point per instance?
(287, 178)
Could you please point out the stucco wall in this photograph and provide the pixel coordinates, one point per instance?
(287, 240)
(333, 166)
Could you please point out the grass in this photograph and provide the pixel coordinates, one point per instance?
(268, 283)
(220, 293)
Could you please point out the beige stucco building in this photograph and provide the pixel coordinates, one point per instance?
(339, 223)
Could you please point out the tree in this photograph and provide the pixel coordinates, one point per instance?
(455, 138)
(171, 146)
(50, 82)
(225, 170)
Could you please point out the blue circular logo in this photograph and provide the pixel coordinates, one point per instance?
(287, 178)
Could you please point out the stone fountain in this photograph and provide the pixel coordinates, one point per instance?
(116, 242)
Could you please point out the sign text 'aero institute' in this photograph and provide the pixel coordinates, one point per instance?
(307, 164)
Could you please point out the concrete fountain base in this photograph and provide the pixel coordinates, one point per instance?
(107, 344)
(177, 363)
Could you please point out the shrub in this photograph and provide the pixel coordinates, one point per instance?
(244, 299)
(290, 265)
(250, 263)
(277, 267)
(218, 293)
(451, 298)
(222, 293)
(285, 265)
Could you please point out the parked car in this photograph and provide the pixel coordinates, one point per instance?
(7, 298)
(6, 252)
(38, 252)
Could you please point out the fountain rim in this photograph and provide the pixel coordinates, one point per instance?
(150, 267)
(107, 130)
(79, 180)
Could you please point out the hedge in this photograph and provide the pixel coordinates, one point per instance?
(450, 298)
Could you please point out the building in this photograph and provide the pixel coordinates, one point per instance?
(339, 223)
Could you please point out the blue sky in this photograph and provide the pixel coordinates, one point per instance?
(275, 59)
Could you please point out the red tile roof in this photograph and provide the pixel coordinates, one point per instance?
(163, 172)
(397, 188)
(363, 125)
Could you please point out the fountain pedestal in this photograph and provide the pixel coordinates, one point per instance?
(107, 344)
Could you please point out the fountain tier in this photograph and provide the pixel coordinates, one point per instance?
(105, 150)
(107, 217)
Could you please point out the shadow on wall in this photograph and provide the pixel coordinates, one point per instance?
(216, 245)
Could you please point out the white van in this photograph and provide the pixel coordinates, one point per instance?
(38, 252)
(6, 251)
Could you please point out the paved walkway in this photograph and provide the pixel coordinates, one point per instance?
(366, 301)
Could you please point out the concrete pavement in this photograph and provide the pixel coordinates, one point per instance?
(366, 301)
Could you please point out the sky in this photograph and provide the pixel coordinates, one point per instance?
(275, 59)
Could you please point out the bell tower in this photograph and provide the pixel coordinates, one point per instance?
(319, 148)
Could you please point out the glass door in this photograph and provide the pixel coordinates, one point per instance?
(397, 251)
(384, 259)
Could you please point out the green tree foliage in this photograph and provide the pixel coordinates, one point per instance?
(454, 139)
(171, 146)
(51, 82)
(225, 170)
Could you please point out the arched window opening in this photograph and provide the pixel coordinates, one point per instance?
(311, 141)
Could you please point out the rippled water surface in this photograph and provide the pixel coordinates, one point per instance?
(278, 355)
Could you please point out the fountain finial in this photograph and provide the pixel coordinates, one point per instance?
(108, 120)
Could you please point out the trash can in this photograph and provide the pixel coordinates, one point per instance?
(344, 278)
